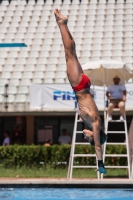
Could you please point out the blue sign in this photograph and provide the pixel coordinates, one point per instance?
(64, 95)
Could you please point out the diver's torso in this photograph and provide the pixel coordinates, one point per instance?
(87, 107)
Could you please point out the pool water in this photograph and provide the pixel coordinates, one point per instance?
(63, 194)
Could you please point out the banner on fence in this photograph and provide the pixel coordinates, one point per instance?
(61, 96)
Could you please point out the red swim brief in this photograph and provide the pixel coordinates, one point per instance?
(84, 83)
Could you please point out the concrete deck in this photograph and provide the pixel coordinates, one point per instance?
(65, 183)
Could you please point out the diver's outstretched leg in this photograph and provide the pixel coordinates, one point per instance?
(74, 70)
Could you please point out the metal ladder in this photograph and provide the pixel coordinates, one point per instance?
(72, 155)
(111, 143)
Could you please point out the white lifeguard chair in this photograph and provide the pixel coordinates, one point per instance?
(125, 143)
(73, 155)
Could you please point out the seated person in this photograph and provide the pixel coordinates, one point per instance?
(116, 93)
(47, 143)
(6, 140)
(64, 138)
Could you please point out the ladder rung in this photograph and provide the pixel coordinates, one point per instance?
(84, 155)
(116, 155)
(116, 166)
(79, 121)
(110, 143)
(84, 166)
(81, 166)
(116, 132)
(116, 121)
(83, 143)
(79, 131)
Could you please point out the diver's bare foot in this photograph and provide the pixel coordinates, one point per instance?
(59, 17)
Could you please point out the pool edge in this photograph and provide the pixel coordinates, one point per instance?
(66, 183)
